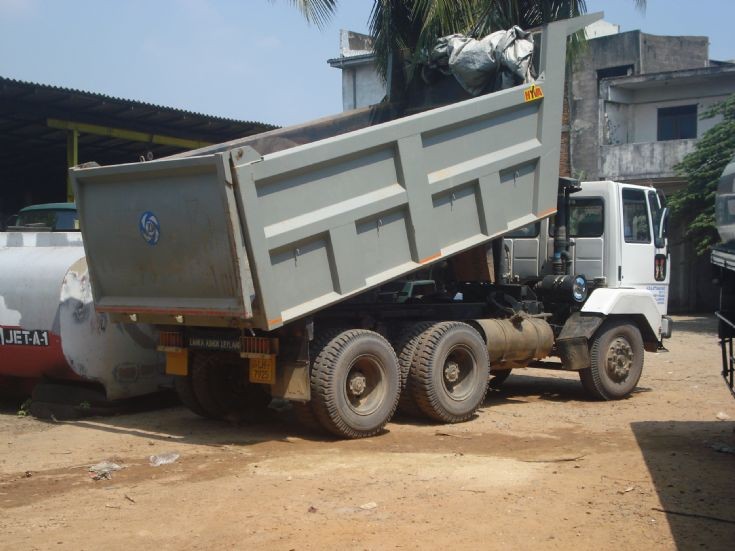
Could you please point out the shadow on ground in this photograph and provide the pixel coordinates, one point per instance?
(178, 424)
(525, 384)
(695, 482)
(703, 324)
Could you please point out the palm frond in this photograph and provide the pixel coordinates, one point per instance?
(316, 12)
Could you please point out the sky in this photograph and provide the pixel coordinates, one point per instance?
(253, 60)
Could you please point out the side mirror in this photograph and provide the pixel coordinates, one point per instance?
(661, 231)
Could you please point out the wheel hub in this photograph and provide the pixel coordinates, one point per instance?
(451, 372)
(619, 359)
(357, 383)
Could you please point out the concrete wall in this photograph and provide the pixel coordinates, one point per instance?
(642, 161)
(671, 53)
(361, 86)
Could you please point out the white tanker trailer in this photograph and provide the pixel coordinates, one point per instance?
(51, 332)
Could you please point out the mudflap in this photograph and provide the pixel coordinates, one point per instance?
(573, 341)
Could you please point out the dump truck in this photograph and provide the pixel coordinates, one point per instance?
(261, 261)
(723, 264)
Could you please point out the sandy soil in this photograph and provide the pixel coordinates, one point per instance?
(539, 467)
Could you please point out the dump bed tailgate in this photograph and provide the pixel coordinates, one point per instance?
(164, 238)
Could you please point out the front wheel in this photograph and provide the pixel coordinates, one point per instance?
(616, 354)
(355, 383)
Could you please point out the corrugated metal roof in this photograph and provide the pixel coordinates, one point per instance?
(7, 82)
(27, 137)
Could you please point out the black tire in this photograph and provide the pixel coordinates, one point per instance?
(497, 378)
(221, 386)
(616, 354)
(355, 383)
(446, 351)
(405, 346)
(185, 391)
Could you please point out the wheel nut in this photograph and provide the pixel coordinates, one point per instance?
(451, 372)
(357, 384)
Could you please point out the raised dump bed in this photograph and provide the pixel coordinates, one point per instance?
(236, 238)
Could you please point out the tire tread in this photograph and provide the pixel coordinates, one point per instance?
(422, 387)
(590, 377)
(322, 375)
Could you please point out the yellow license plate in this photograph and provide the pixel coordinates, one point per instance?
(263, 370)
(177, 363)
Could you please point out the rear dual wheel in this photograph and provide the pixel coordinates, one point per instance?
(217, 386)
(449, 372)
(355, 383)
(405, 346)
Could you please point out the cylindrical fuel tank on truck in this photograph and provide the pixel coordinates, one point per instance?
(516, 343)
(49, 327)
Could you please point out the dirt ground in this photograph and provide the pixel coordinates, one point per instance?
(539, 467)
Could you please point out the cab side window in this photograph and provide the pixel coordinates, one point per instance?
(529, 230)
(586, 217)
(636, 223)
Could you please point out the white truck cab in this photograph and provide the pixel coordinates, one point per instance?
(617, 235)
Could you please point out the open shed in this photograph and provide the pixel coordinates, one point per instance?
(45, 129)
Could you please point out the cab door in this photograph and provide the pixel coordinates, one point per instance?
(660, 285)
(643, 265)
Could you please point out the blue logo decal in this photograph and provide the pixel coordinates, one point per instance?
(150, 227)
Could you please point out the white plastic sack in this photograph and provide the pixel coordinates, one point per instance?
(503, 57)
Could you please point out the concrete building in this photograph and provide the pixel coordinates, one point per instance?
(624, 54)
(635, 104)
(650, 122)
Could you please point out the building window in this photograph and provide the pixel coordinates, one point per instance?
(610, 72)
(677, 123)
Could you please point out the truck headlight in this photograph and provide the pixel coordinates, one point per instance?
(579, 289)
(563, 288)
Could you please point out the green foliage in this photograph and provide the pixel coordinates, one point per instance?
(694, 206)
